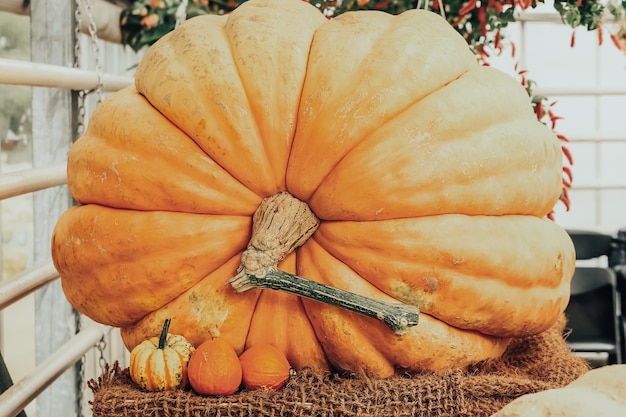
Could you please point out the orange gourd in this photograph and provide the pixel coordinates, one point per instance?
(214, 368)
(426, 177)
(160, 363)
(264, 366)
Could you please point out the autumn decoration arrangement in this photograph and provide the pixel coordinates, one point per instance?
(272, 240)
(213, 368)
(392, 216)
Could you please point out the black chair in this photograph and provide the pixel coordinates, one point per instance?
(594, 313)
(617, 261)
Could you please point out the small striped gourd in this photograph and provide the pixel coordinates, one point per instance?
(160, 363)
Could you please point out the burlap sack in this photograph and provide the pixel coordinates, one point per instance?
(530, 365)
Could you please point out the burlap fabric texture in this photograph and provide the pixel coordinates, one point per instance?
(529, 365)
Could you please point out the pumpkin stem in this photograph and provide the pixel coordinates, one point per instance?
(398, 317)
(281, 224)
(163, 337)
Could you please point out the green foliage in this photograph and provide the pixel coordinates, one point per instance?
(617, 9)
(479, 22)
(587, 14)
(146, 21)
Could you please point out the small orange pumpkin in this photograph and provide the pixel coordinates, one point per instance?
(214, 368)
(160, 363)
(264, 366)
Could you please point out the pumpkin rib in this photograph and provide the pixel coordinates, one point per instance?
(166, 373)
(104, 162)
(469, 168)
(472, 189)
(299, 343)
(280, 320)
(208, 308)
(428, 262)
(135, 365)
(432, 344)
(273, 96)
(207, 101)
(152, 83)
(123, 254)
(373, 85)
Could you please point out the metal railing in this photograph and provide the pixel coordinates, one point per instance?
(45, 75)
(15, 396)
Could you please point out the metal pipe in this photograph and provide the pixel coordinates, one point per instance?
(578, 91)
(46, 75)
(33, 179)
(24, 391)
(597, 186)
(26, 282)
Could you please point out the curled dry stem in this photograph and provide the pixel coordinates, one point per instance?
(281, 224)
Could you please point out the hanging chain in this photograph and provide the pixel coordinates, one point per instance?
(101, 346)
(80, 127)
(81, 384)
(79, 6)
(95, 44)
(77, 53)
(93, 34)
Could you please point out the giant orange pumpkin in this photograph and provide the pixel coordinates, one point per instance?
(428, 174)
